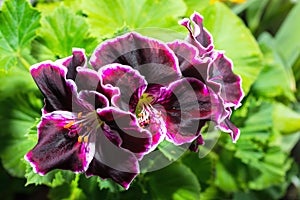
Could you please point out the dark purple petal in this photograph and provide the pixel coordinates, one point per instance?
(78, 59)
(59, 93)
(189, 62)
(188, 104)
(111, 161)
(88, 79)
(94, 99)
(220, 72)
(124, 124)
(228, 127)
(195, 145)
(152, 58)
(198, 35)
(57, 147)
(130, 83)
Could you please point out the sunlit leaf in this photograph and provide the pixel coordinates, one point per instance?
(57, 37)
(107, 17)
(19, 22)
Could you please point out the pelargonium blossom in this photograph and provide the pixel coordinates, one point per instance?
(146, 72)
(141, 91)
(78, 129)
(211, 67)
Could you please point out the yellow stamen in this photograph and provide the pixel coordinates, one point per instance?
(71, 123)
(79, 115)
(140, 114)
(80, 138)
(86, 139)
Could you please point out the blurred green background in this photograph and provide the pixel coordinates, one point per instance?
(262, 37)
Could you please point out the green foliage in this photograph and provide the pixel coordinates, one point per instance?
(115, 15)
(19, 22)
(181, 183)
(265, 55)
(57, 37)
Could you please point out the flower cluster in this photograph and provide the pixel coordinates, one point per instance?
(139, 92)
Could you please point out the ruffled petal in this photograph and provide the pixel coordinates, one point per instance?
(198, 35)
(130, 82)
(124, 125)
(111, 161)
(58, 147)
(220, 72)
(188, 104)
(88, 79)
(228, 127)
(189, 62)
(59, 93)
(78, 59)
(152, 58)
(94, 99)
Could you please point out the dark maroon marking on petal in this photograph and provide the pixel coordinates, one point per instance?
(188, 103)
(189, 62)
(95, 99)
(78, 59)
(124, 124)
(198, 35)
(129, 81)
(228, 127)
(59, 93)
(88, 79)
(195, 145)
(57, 147)
(111, 161)
(220, 72)
(150, 57)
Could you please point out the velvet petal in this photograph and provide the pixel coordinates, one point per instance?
(152, 58)
(58, 147)
(130, 82)
(59, 93)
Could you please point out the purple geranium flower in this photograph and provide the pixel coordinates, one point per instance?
(78, 129)
(200, 60)
(149, 79)
(141, 91)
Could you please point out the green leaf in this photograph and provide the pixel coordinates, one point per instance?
(230, 34)
(67, 191)
(171, 151)
(14, 81)
(255, 12)
(275, 80)
(273, 169)
(285, 119)
(176, 182)
(57, 37)
(287, 38)
(201, 167)
(224, 179)
(19, 22)
(107, 17)
(18, 117)
(193, 5)
(52, 179)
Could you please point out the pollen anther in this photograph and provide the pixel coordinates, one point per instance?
(80, 138)
(71, 123)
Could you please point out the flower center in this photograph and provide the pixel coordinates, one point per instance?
(147, 114)
(82, 126)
